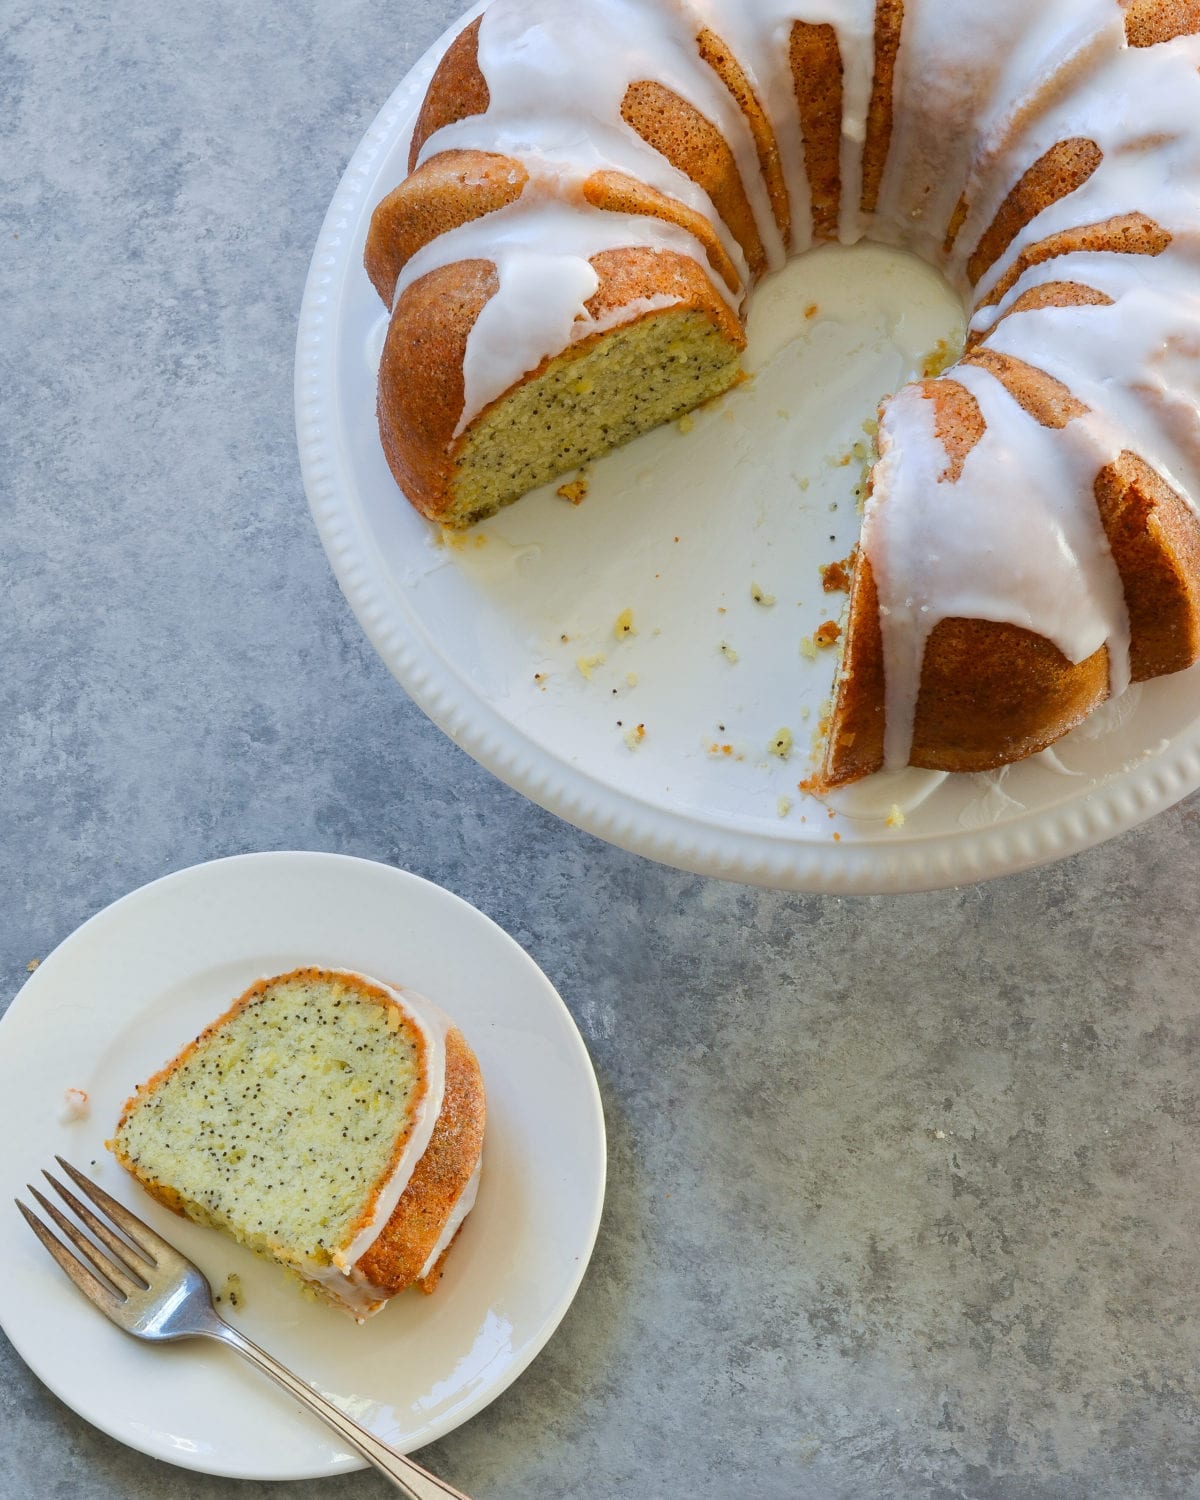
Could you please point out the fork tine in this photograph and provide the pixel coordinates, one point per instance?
(136, 1263)
(153, 1246)
(91, 1286)
(120, 1279)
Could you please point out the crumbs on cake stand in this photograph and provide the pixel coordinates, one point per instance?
(76, 1106)
(575, 490)
(232, 1291)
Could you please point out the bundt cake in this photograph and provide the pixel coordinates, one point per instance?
(326, 1121)
(594, 188)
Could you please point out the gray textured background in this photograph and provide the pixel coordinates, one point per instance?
(903, 1199)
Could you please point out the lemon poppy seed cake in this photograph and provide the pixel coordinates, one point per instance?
(326, 1121)
(595, 187)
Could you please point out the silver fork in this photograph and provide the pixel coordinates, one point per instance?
(153, 1292)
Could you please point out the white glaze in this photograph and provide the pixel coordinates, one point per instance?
(980, 94)
(432, 1026)
(462, 1207)
(540, 306)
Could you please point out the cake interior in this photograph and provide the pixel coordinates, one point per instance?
(588, 401)
(279, 1123)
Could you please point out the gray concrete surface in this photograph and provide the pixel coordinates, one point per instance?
(904, 1198)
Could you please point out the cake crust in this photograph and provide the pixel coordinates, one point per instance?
(403, 1246)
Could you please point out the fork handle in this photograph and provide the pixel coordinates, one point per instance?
(409, 1478)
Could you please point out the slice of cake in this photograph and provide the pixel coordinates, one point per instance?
(326, 1121)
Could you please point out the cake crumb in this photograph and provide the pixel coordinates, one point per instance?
(76, 1106)
(938, 360)
(828, 634)
(623, 626)
(32, 964)
(811, 311)
(586, 665)
(895, 818)
(756, 593)
(784, 806)
(804, 483)
(782, 743)
(729, 653)
(631, 679)
(835, 577)
(686, 423)
(635, 736)
(575, 491)
(232, 1292)
(807, 648)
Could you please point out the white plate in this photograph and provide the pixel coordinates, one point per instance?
(475, 632)
(121, 995)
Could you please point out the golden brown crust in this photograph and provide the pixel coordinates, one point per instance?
(619, 193)
(816, 62)
(995, 693)
(990, 694)
(450, 189)
(957, 423)
(421, 387)
(1155, 541)
(694, 146)
(456, 91)
(1055, 174)
(404, 1244)
(727, 68)
(889, 21)
(1046, 400)
(1049, 294)
(854, 744)
(1125, 234)
(159, 1191)
(626, 275)
(1148, 22)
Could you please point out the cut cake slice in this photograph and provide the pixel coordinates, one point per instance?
(326, 1121)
